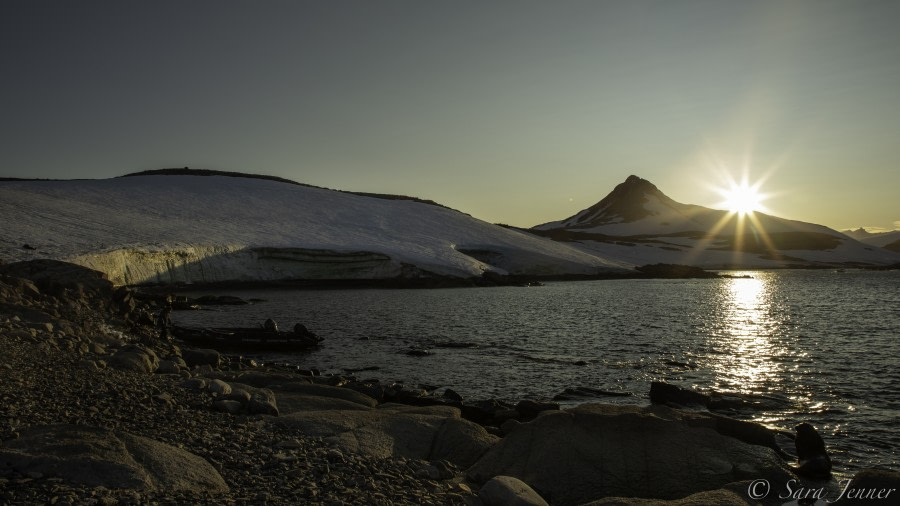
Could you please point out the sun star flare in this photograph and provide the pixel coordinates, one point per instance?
(742, 198)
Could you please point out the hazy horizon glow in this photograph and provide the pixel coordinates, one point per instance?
(514, 112)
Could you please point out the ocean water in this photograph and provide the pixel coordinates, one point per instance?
(804, 346)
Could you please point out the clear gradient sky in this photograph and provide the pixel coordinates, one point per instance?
(518, 112)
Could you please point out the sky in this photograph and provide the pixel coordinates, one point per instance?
(516, 112)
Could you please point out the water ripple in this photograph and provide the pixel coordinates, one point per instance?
(825, 341)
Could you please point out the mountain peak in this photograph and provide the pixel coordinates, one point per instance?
(632, 179)
(626, 203)
(634, 185)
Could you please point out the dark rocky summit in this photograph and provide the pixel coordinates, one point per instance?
(97, 408)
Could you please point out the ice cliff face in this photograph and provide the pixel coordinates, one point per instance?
(192, 229)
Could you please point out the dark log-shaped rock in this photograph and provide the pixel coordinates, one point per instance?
(665, 393)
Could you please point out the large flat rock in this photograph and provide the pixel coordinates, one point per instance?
(429, 433)
(299, 396)
(595, 451)
(708, 498)
(100, 457)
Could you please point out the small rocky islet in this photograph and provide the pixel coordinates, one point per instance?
(95, 408)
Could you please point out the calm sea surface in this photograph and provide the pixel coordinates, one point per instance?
(821, 346)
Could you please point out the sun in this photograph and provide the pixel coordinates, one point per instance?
(742, 199)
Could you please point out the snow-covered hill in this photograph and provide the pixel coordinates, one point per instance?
(889, 240)
(184, 228)
(638, 224)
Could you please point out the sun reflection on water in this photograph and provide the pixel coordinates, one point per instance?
(747, 338)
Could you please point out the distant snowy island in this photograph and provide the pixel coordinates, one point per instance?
(206, 227)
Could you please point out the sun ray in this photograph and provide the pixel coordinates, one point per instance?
(767, 241)
(739, 237)
(711, 235)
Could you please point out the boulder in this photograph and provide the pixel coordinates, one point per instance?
(168, 367)
(393, 430)
(289, 402)
(813, 461)
(370, 389)
(20, 286)
(135, 357)
(240, 395)
(489, 412)
(195, 384)
(218, 387)
(595, 451)
(262, 402)
(720, 497)
(528, 409)
(228, 406)
(258, 378)
(54, 275)
(97, 457)
(202, 356)
(299, 396)
(509, 491)
(665, 393)
(452, 395)
(748, 432)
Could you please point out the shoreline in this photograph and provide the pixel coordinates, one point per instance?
(488, 280)
(83, 364)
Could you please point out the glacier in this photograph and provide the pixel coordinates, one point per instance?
(206, 229)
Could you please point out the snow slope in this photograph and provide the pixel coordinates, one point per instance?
(638, 224)
(884, 240)
(165, 228)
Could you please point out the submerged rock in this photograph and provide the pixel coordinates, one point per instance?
(665, 393)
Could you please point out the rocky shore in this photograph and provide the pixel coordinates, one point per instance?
(95, 408)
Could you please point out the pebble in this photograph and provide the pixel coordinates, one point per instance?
(261, 463)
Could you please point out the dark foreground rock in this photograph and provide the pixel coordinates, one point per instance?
(97, 457)
(721, 497)
(83, 420)
(596, 451)
(509, 491)
(673, 395)
(427, 433)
